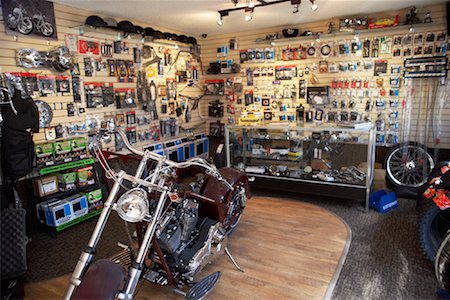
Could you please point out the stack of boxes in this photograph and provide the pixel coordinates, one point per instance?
(61, 152)
(62, 209)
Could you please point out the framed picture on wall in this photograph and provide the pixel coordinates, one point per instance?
(35, 18)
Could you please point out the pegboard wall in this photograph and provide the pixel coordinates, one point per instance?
(345, 62)
(364, 89)
(78, 112)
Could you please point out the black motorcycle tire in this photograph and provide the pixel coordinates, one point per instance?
(392, 181)
(433, 225)
(442, 265)
(28, 29)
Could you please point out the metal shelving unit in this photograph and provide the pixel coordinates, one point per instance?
(64, 194)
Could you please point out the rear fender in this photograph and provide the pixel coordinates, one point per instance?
(216, 190)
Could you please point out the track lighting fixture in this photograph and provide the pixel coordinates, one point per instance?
(221, 15)
(296, 5)
(314, 6)
(248, 14)
(250, 6)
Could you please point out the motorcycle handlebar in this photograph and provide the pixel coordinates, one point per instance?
(211, 169)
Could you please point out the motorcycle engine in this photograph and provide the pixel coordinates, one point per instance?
(188, 241)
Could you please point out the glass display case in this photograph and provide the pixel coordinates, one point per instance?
(337, 156)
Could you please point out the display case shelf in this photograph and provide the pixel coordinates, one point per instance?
(281, 158)
(327, 156)
(310, 180)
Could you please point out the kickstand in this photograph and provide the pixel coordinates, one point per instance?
(232, 260)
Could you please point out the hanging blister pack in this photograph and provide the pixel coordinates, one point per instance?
(249, 77)
(381, 104)
(369, 105)
(380, 123)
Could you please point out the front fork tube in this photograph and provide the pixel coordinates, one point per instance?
(87, 255)
(134, 272)
(141, 167)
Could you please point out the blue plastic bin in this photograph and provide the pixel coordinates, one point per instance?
(383, 202)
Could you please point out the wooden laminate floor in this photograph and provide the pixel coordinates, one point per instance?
(288, 249)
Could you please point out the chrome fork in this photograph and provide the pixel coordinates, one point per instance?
(87, 255)
(134, 272)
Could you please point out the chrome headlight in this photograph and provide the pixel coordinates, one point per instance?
(133, 205)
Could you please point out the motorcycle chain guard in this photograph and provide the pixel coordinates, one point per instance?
(203, 287)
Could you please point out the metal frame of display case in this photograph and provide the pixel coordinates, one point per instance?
(371, 133)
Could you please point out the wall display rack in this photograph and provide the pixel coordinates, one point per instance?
(331, 156)
(111, 73)
(425, 67)
(363, 72)
(402, 29)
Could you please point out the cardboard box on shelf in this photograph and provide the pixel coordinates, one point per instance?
(63, 151)
(67, 181)
(85, 176)
(94, 196)
(44, 186)
(79, 148)
(79, 205)
(44, 154)
(55, 212)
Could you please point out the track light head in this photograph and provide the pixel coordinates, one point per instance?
(248, 14)
(222, 14)
(252, 4)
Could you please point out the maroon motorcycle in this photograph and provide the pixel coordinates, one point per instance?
(181, 226)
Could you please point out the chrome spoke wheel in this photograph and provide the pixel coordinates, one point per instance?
(409, 165)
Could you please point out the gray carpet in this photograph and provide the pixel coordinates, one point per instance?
(384, 260)
(52, 256)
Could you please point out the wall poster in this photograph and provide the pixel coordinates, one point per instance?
(35, 18)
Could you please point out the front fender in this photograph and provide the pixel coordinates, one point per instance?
(102, 281)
